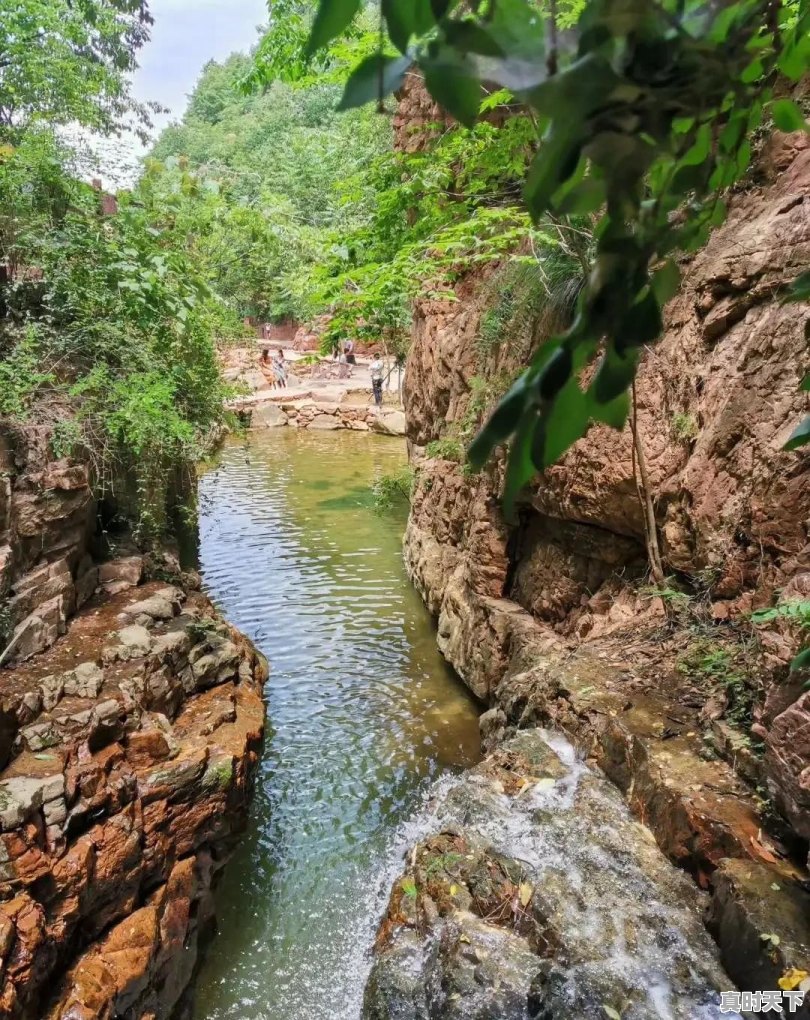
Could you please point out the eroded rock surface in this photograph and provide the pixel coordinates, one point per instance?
(540, 897)
(716, 401)
(133, 744)
(546, 618)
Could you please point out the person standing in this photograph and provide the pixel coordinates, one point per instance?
(280, 368)
(376, 369)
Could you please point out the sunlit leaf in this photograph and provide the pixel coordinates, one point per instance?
(331, 18)
(374, 78)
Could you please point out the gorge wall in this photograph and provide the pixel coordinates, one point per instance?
(130, 728)
(550, 620)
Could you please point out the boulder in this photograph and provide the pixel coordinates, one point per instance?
(787, 763)
(268, 416)
(390, 424)
(325, 421)
(535, 885)
(38, 631)
(125, 572)
(130, 643)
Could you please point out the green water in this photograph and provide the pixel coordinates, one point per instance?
(365, 717)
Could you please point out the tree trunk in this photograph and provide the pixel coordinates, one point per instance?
(642, 480)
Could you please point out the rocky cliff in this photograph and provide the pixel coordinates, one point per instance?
(685, 704)
(130, 727)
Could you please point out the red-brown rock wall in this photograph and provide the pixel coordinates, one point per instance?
(717, 398)
(130, 729)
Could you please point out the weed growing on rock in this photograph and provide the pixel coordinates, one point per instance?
(447, 448)
(684, 426)
(708, 662)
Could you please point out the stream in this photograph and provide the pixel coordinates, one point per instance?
(365, 717)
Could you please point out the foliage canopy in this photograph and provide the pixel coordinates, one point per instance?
(63, 62)
(644, 116)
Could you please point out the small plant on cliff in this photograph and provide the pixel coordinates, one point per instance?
(22, 376)
(797, 613)
(684, 426)
(447, 448)
(722, 668)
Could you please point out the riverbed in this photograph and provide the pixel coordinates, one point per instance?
(366, 718)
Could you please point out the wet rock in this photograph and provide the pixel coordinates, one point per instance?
(213, 661)
(268, 416)
(324, 421)
(541, 897)
(762, 923)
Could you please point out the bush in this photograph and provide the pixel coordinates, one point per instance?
(390, 491)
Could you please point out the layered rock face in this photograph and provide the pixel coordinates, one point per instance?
(547, 619)
(717, 399)
(129, 737)
(131, 770)
(47, 519)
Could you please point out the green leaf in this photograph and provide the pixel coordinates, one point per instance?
(614, 412)
(801, 661)
(805, 383)
(699, 149)
(519, 468)
(799, 290)
(800, 435)
(331, 18)
(586, 197)
(454, 90)
(555, 373)
(616, 372)
(399, 21)
(502, 423)
(440, 8)
(554, 163)
(665, 281)
(787, 116)
(467, 37)
(374, 77)
(794, 60)
(561, 426)
(642, 323)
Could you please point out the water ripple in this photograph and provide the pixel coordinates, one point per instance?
(365, 717)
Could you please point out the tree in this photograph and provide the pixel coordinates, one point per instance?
(265, 183)
(644, 115)
(64, 62)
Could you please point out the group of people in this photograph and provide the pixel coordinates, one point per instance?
(274, 369)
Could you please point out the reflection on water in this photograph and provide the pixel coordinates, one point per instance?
(364, 715)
